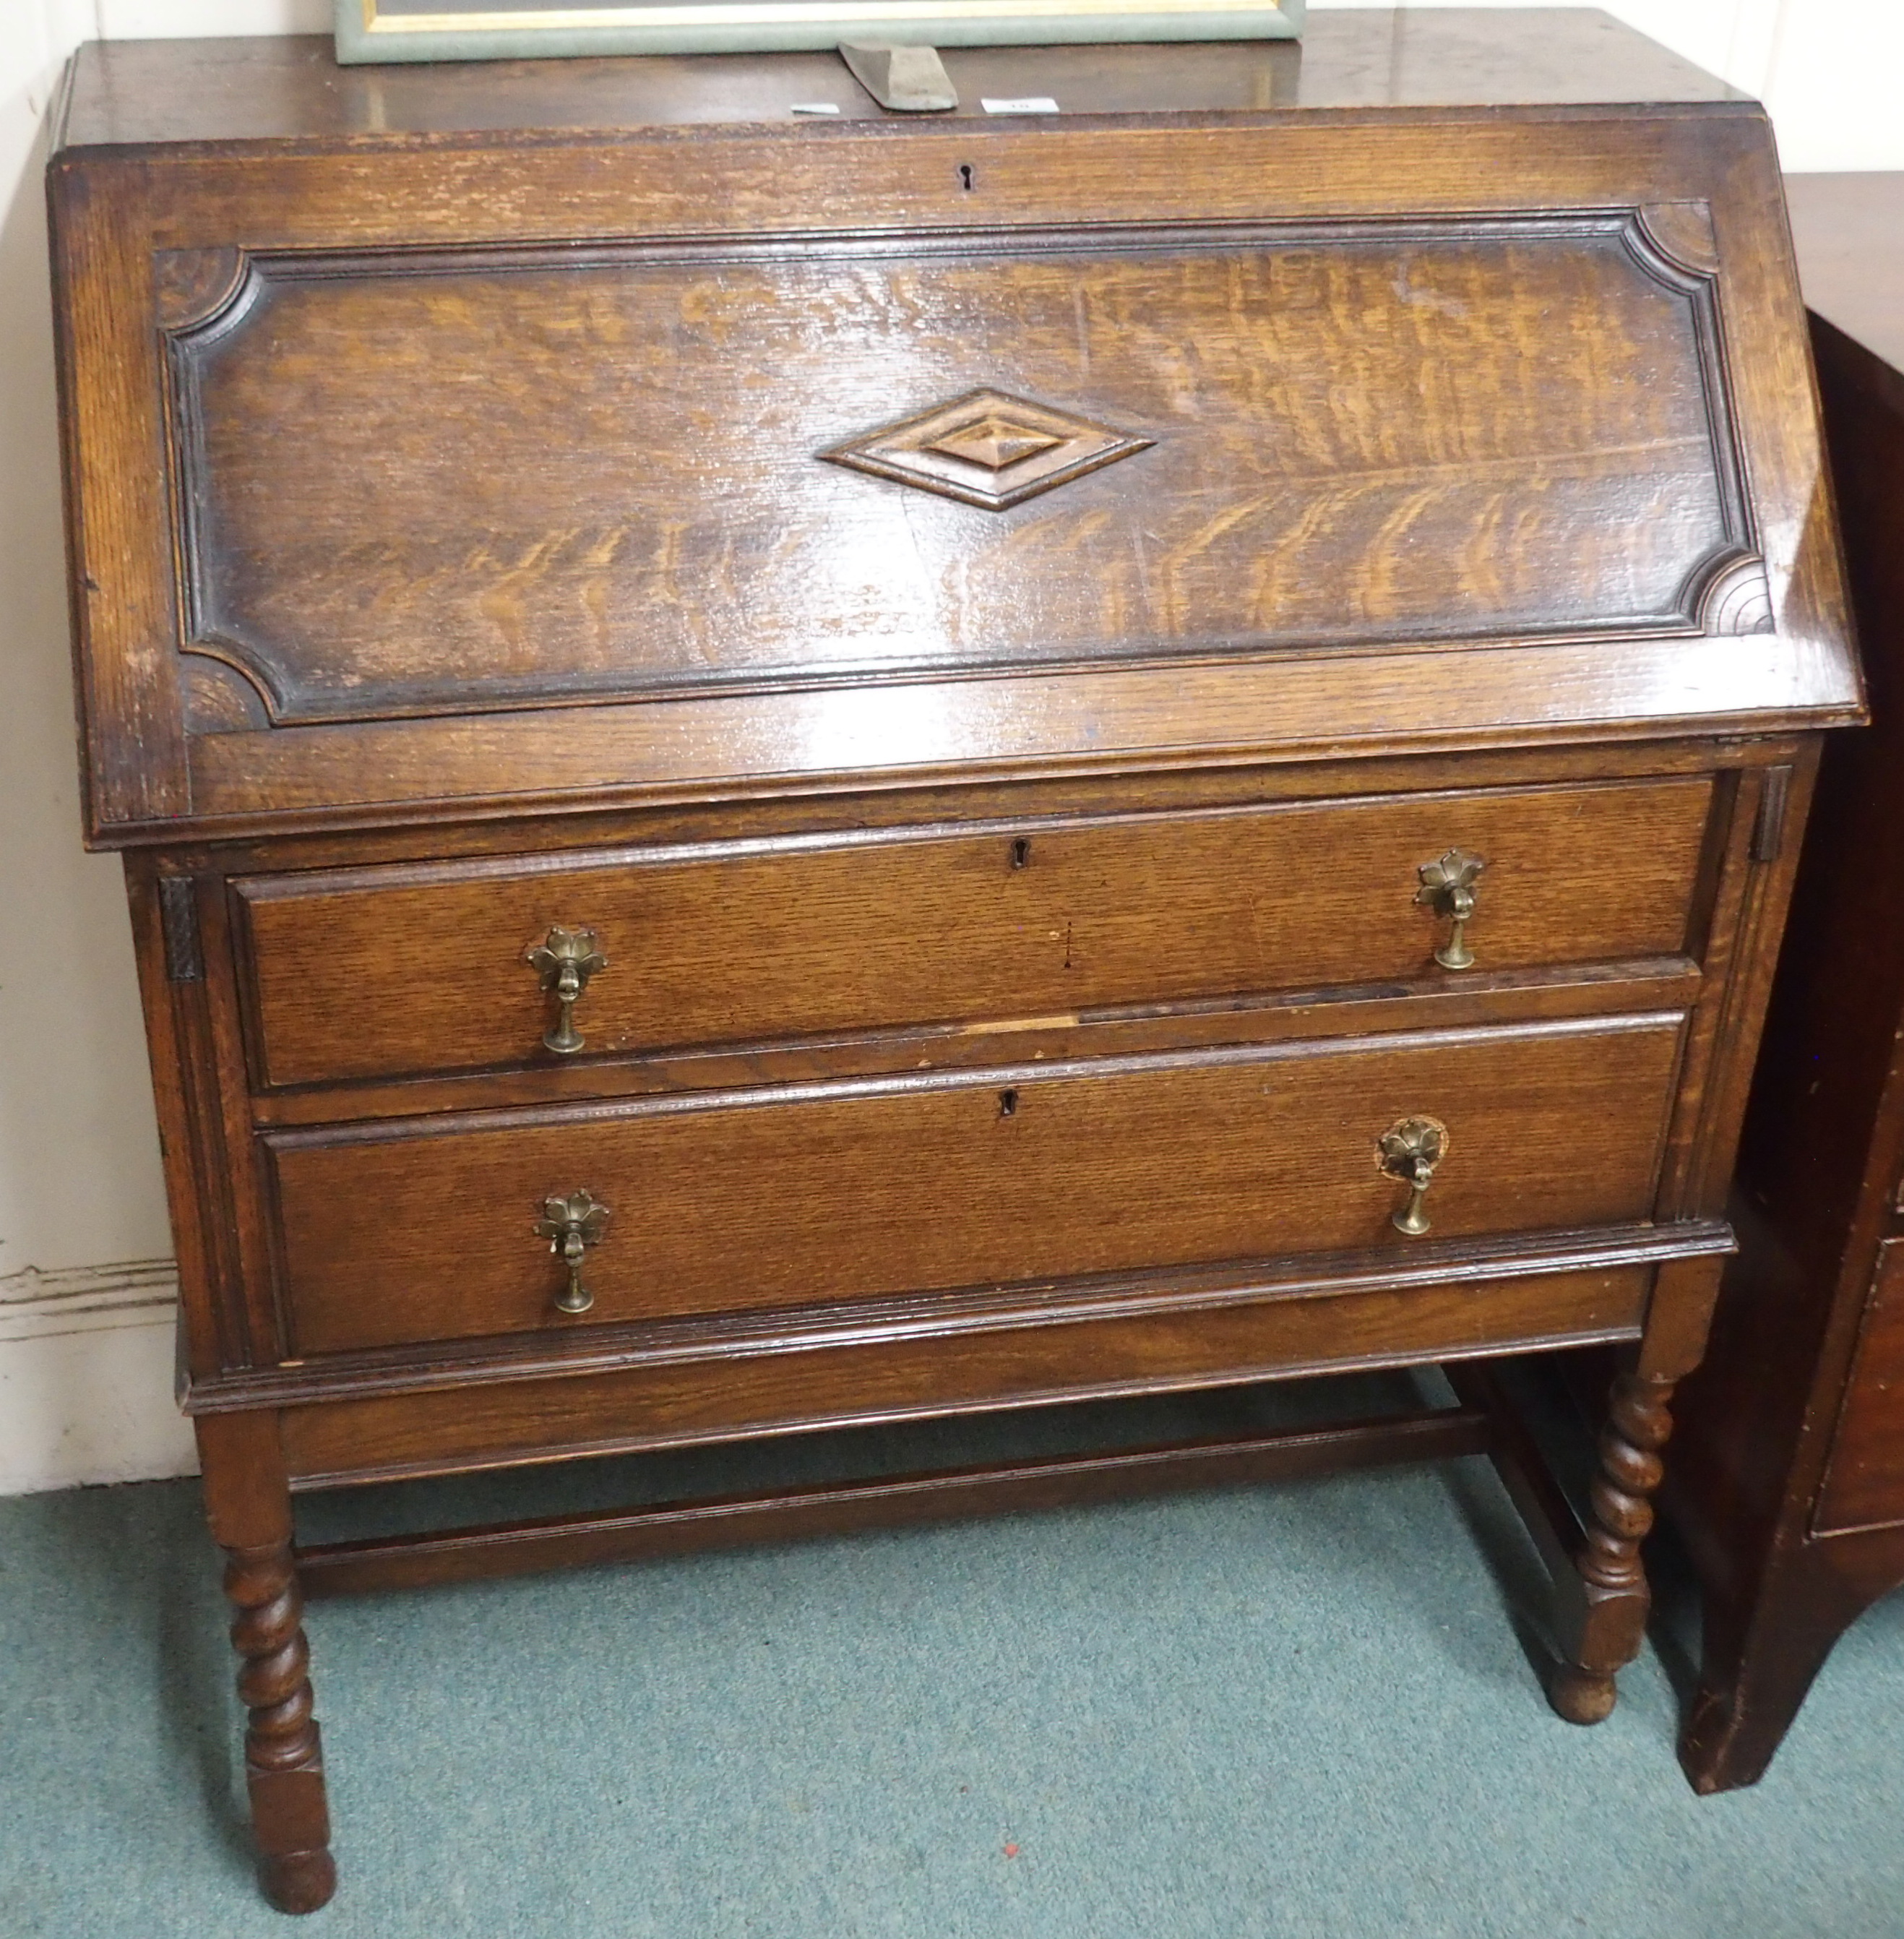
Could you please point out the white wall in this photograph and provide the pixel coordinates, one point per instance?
(85, 1284)
(1829, 70)
(85, 1288)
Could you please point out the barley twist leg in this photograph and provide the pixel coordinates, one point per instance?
(1609, 1619)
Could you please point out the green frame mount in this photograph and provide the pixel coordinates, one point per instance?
(459, 30)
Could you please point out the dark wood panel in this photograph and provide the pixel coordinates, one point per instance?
(983, 731)
(1147, 171)
(1864, 1479)
(123, 600)
(347, 840)
(380, 972)
(566, 1352)
(657, 1407)
(788, 1196)
(598, 474)
(1439, 1002)
(1749, 1486)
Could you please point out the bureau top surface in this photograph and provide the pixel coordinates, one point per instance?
(137, 93)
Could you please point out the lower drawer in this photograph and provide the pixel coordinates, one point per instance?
(426, 1230)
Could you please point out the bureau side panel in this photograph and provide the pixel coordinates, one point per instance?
(1824, 1137)
(1864, 1483)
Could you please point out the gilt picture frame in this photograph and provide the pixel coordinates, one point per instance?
(423, 30)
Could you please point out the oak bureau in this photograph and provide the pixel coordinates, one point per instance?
(780, 773)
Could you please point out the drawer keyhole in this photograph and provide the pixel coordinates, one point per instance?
(1021, 851)
(1007, 1103)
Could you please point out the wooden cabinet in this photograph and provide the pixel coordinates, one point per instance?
(775, 774)
(1789, 1474)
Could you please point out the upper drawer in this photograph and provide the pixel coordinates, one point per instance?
(375, 971)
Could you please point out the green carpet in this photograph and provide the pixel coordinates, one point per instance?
(1301, 1710)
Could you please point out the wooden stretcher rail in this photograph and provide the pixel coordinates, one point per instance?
(677, 1528)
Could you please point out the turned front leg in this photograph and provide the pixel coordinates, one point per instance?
(1602, 1622)
(284, 1759)
(247, 1501)
(1602, 1631)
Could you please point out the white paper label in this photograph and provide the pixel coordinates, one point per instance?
(1030, 103)
(815, 107)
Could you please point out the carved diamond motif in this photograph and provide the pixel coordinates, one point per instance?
(987, 448)
(995, 442)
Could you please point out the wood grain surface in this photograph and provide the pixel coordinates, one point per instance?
(378, 972)
(656, 1407)
(133, 92)
(556, 405)
(1864, 1482)
(429, 485)
(1787, 1475)
(1013, 960)
(796, 1194)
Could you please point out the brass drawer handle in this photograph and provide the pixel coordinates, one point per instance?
(564, 961)
(1448, 888)
(571, 1225)
(1408, 1152)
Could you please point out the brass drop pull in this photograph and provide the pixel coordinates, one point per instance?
(1448, 888)
(565, 960)
(571, 1225)
(1408, 1152)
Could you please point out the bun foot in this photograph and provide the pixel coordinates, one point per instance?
(1582, 1696)
(298, 1881)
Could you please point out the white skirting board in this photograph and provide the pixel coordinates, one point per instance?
(85, 1378)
